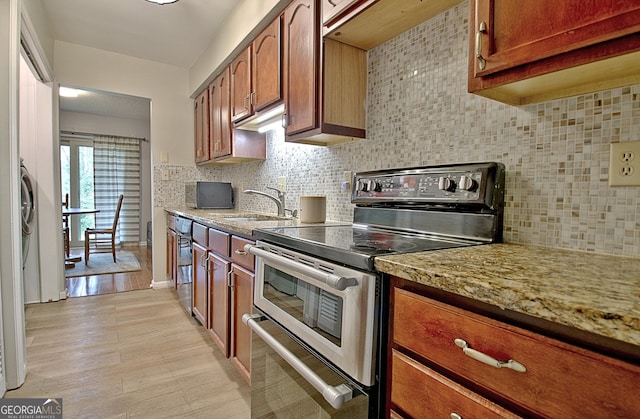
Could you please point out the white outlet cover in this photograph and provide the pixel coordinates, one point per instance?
(282, 183)
(624, 164)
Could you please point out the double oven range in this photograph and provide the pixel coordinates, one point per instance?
(320, 315)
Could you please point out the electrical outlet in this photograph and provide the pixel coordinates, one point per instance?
(165, 174)
(282, 184)
(624, 164)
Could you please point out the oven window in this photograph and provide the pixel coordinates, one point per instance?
(315, 307)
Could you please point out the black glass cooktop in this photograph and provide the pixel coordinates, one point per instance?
(353, 245)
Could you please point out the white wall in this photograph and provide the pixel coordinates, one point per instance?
(171, 109)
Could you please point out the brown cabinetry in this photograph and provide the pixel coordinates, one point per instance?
(201, 127)
(545, 377)
(324, 82)
(240, 71)
(171, 252)
(200, 288)
(267, 67)
(241, 281)
(220, 134)
(219, 267)
(226, 144)
(524, 52)
(368, 23)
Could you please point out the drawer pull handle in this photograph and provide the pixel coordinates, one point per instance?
(240, 252)
(454, 415)
(482, 29)
(486, 359)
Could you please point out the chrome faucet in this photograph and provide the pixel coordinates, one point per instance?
(279, 200)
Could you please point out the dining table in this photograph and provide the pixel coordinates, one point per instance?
(69, 260)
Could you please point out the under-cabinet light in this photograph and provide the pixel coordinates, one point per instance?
(270, 126)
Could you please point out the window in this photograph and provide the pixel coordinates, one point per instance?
(76, 175)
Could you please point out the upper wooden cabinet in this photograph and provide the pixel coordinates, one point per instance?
(267, 67)
(256, 77)
(324, 82)
(301, 43)
(240, 69)
(226, 144)
(201, 127)
(526, 52)
(368, 23)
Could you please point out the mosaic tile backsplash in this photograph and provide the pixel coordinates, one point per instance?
(419, 113)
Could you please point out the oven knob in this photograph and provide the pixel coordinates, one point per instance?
(374, 186)
(468, 184)
(446, 184)
(363, 185)
(368, 185)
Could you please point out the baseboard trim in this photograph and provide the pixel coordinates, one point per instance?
(160, 284)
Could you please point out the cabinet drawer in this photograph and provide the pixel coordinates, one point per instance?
(199, 234)
(423, 393)
(560, 380)
(238, 255)
(219, 242)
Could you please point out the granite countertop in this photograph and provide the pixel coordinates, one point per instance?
(591, 292)
(222, 219)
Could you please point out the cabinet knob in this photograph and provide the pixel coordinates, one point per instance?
(454, 415)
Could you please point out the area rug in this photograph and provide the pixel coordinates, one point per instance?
(102, 263)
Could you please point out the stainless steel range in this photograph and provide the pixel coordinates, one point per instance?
(323, 307)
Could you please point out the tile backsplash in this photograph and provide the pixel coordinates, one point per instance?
(419, 113)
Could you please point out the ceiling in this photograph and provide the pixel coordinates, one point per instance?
(175, 34)
(107, 104)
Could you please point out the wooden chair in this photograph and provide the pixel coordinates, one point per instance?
(102, 240)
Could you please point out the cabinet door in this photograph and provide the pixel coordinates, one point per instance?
(219, 326)
(301, 60)
(241, 303)
(172, 258)
(215, 133)
(510, 33)
(267, 77)
(240, 69)
(201, 128)
(199, 291)
(220, 116)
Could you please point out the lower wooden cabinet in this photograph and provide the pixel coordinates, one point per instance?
(200, 288)
(241, 303)
(423, 393)
(171, 253)
(219, 296)
(546, 377)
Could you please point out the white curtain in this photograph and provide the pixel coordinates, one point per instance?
(116, 166)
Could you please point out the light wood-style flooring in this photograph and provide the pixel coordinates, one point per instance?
(82, 286)
(128, 355)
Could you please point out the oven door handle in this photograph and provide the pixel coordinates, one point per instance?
(336, 396)
(339, 283)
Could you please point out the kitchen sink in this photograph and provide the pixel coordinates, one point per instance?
(255, 218)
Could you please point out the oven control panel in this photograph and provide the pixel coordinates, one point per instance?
(469, 183)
